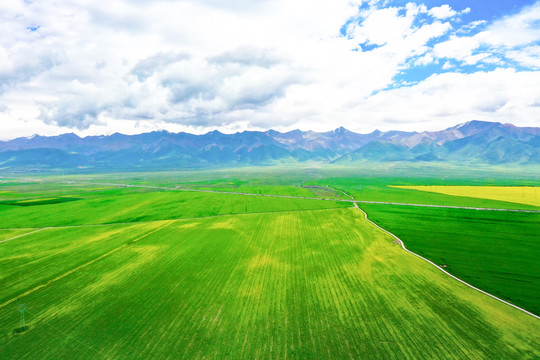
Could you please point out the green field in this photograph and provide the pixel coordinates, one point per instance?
(384, 189)
(139, 273)
(8, 234)
(128, 205)
(247, 286)
(495, 251)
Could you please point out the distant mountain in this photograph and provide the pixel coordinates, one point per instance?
(471, 142)
(378, 151)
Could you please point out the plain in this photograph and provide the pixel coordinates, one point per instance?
(121, 272)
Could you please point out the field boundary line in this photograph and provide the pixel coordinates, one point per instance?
(447, 206)
(214, 191)
(444, 271)
(77, 268)
(28, 233)
(310, 198)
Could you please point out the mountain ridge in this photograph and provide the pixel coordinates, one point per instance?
(471, 142)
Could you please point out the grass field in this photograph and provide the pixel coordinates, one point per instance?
(516, 194)
(308, 284)
(137, 273)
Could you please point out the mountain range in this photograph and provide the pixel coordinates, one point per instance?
(472, 142)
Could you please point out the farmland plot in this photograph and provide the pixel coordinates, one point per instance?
(130, 205)
(529, 195)
(306, 284)
(495, 251)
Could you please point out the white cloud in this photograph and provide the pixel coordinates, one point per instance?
(459, 48)
(197, 65)
(383, 26)
(446, 99)
(520, 29)
(509, 35)
(442, 12)
(528, 56)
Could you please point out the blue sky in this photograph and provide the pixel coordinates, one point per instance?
(480, 9)
(136, 66)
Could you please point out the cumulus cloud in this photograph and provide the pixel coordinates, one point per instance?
(528, 56)
(459, 48)
(442, 12)
(248, 56)
(198, 65)
(514, 37)
(520, 29)
(78, 106)
(146, 67)
(498, 95)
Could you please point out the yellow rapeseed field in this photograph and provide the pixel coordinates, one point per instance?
(529, 195)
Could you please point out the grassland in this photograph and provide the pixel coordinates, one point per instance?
(307, 284)
(516, 194)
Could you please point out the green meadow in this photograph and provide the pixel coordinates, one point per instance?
(136, 273)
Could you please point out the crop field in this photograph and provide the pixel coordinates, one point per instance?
(306, 284)
(19, 189)
(290, 190)
(8, 234)
(128, 205)
(516, 194)
(495, 251)
(405, 190)
(137, 273)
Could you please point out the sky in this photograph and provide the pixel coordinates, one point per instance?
(134, 66)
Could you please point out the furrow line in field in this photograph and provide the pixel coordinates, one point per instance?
(444, 271)
(60, 277)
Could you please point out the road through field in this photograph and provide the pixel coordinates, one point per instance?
(18, 236)
(351, 200)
